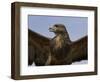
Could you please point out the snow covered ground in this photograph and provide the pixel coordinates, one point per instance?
(74, 63)
(80, 62)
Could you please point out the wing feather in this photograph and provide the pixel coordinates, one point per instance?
(79, 49)
(38, 46)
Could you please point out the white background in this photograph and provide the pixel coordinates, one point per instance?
(5, 40)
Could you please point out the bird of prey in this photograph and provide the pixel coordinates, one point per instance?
(59, 50)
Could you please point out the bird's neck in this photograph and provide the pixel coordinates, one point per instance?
(61, 40)
(63, 37)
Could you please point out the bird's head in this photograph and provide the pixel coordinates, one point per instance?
(58, 28)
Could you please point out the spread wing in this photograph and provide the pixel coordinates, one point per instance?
(38, 48)
(79, 49)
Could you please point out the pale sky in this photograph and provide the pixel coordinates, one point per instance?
(76, 26)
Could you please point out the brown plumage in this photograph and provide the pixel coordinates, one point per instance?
(59, 50)
(38, 48)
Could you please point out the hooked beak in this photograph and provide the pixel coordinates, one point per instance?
(51, 29)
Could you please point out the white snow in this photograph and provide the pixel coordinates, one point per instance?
(74, 63)
(80, 62)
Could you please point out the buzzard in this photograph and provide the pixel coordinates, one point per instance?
(59, 50)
